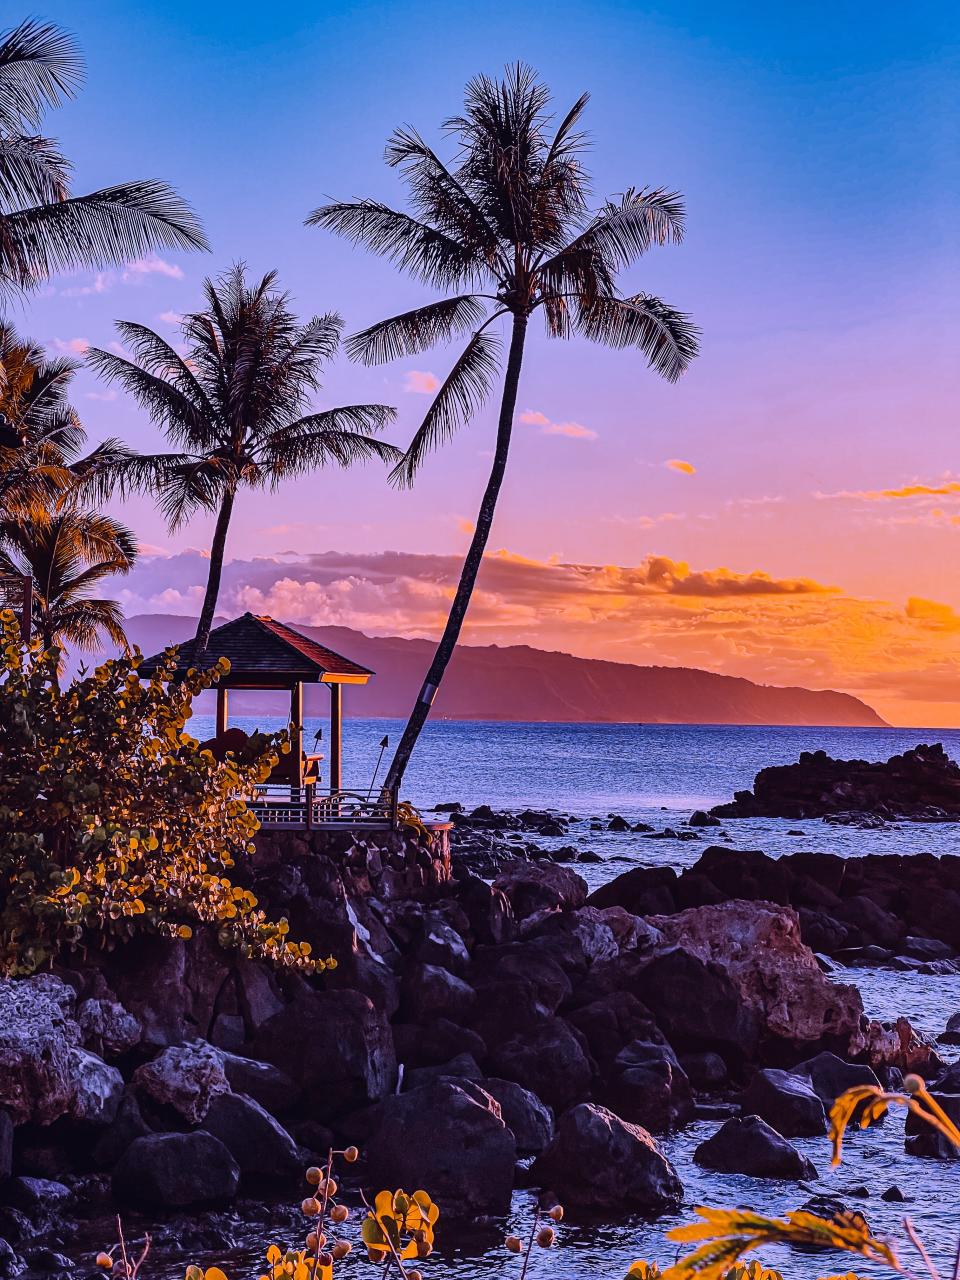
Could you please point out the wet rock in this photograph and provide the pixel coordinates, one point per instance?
(700, 819)
(441, 1138)
(750, 1146)
(923, 1140)
(529, 1119)
(547, 1059)
(97, 1089)
(642, 891)
(48, 1261)
(598, 1161)
(647, 1086)
(533, 886)
(786, 1102)
(184, 1077)
(176, 1171)
(336, 1045)
(617, 823)
(894, 1195)
(262, 1148)
(37, 1196)
(830, 1076)
(926, 949)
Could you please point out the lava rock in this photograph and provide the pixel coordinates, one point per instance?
(529, 1119)
(830, 1076)
(787, 1102)
(533, 886)
(176, 1171)
(549, 1060)
(184, 1077)
(260, 1145)
(599, 1162)
(750, 1146)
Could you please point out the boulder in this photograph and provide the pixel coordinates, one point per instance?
(647, 1086)
(336, 1045)
(706, 1071)
(275, 1091)
(116, 1137)
(430, 991)
(533, 886)
(97, 1089)
(612, 1021)
(427, 1045)
(529, 1120)
(787, 1102)
(549, 1060)
(175, 1171)
(748, 1145)
(442, 945)
(830, 1076)
(185, 1077)
(923, 1140)
(463, 1067)
(599, 1162)
(262, 1148)
(441, 1138)
(776, 979)
(696, 1002)
(38, 1034)
(107, 1028)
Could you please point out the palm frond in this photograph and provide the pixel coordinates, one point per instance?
(40, 66)
(312, 450)
(668, 338)
(179, 415)
(464, 390)
(32, 171)
(424, 251)
(100, 229)
(83, 622)
(415, 331)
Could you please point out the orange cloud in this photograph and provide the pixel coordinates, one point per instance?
(678, 464)
(420, 382)
(534, 418)
(574, 430)
(939, 617)
(942, 489)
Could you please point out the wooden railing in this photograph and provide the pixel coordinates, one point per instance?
(308, 807)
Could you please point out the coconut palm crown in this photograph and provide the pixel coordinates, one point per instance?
(507, 226)
(235, 406)
(45, 229)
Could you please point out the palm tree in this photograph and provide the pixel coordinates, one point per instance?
(68, 554)
(41, 435)
(507, 226)
(43, 228)
(235, 407)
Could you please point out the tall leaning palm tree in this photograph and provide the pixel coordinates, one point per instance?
(507, 226)
(43, 227)
(68, 554)
(235, 407)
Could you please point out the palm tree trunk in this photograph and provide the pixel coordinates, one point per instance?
(217, 548)
(471, 565)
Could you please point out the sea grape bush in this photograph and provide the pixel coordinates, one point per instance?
(113, 820)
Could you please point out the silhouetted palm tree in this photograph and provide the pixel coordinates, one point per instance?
(235, 406)
(41, 435)
(68, 554)
(43, 228)
(508, 226)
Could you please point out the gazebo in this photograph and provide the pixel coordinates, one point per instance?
(268, 655)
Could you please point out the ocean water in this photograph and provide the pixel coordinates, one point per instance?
(659, 774)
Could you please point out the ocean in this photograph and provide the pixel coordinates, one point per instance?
(660, 774)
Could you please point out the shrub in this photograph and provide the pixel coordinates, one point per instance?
(113, 820)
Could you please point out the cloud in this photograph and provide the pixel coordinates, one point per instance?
(170, 317)
(102, 282)
(106, 396)
(938, 617)
(572, 430)
(420, 382)
(466, 526)
(134, 272)
(938, 489)
(678, 464)
(71, 346)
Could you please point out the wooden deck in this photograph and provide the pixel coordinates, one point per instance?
(311, 808)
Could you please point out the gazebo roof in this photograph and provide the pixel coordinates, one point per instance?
(266, 654)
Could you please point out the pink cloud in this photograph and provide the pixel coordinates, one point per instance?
(678, 464)
(573, 430)
(534, 418)
(420, 382)
(152, 266)
(71, 346)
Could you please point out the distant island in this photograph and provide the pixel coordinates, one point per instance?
(520, 683)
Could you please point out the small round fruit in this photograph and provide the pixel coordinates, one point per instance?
(546, 1237)
(424, 1248)
(314, 1175)
(351, 1155)
(414, 1275)
(316, 1240)
(325, 1260)
(341, 1249)
(513, 1243)
(556, 1213)
(310, 1207)
(105, 1261)
(339, 1213)
(912, 1084)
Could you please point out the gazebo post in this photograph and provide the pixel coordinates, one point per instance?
(296, 736)
(336, 741)
(221, 711)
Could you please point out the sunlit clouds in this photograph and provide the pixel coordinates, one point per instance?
(572, 430)
(420, 382)
(903, 659)
(678, 464)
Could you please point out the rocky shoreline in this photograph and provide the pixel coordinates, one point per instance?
(475, 1036)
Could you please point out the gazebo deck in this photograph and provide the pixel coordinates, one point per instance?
(315, 808)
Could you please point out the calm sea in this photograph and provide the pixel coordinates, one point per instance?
(660, 773)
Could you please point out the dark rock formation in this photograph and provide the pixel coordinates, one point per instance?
(175, 1171)
(750, 1146)
(922, 784)
(787, 1102)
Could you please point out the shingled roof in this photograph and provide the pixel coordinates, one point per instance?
(264, 653)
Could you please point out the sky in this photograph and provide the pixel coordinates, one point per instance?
(788, 511)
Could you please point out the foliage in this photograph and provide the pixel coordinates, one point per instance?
(45, 229)
(399, 1226)
(113, 820)
(234, 406)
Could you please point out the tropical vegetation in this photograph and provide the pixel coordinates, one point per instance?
(235, 407)
(113, 819)
(507, 226)
(44, 227)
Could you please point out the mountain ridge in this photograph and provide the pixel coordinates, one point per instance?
(522, 683)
